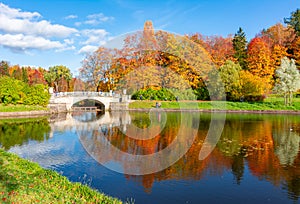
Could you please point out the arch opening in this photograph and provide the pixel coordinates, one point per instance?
(89, 105)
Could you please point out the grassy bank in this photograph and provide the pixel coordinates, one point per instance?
(22, 181)
(270, 104)
(20, 108)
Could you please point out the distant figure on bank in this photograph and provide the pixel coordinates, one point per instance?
(158, 105)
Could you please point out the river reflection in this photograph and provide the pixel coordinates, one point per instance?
(257, 158)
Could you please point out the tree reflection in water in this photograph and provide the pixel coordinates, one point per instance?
(20, 131)
(267, 144)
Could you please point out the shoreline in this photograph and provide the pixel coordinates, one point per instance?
(219, 111)
(25, 113)
(33, 114)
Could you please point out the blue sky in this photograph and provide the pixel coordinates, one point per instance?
(53, 32)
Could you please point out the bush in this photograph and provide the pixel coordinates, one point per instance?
(202, 93)
(37, 95)
(14, 91)
(11, 91)
(253, 98)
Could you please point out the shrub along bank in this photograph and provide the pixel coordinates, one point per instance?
(13, 91)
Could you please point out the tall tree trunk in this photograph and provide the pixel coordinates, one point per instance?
(285, 99)
(291, 98)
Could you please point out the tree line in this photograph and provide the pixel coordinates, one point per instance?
(29, 85)
(160, 60)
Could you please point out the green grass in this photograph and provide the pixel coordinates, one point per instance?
(20, 108)
(22, 181)
(270, 104)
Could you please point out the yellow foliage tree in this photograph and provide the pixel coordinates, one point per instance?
(259, 59)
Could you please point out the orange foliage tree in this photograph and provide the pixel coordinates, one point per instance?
(259, 59)
(220, 48)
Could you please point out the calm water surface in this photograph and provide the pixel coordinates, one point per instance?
(256, 160)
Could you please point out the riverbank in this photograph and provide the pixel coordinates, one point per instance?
(218, 106)
(22, 181)
(270, 105)
(21, 108)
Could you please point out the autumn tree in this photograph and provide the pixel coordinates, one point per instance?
(76, 84)
(95, 66)
(259, 59)
(294, 51)
(165, 61)
(220, 48)
(278, 52)
(280, 35)
(253, 87)
(35, 76)
(4, 67)
(56, 74)
(288, 79)
(240, 48)
(15, 71)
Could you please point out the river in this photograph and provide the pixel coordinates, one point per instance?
(155, 157)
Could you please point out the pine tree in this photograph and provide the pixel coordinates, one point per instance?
(239, 45)
(294, 21)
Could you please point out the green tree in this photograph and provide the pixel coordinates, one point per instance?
(239, 42)
(288, 79)
(56, 74)
(24, 75)
(230, 74)
(294, 21)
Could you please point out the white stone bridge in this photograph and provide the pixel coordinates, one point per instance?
(102, 100)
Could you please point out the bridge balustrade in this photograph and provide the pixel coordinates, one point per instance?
(86, 93)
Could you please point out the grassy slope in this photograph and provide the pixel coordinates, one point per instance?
(19, 108)
(268, 104)
(22, 181)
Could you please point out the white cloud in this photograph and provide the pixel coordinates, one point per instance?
(95, 19)
(40, 28)
(69, 41)
(65, 48)
(17, 13)
(14, 21)
(95, 36)
(71, 17)
(21, 43)
(88, 49)
(98, 18)
(22, 31)
(78, 24)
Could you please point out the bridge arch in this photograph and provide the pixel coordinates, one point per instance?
(89, 102)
